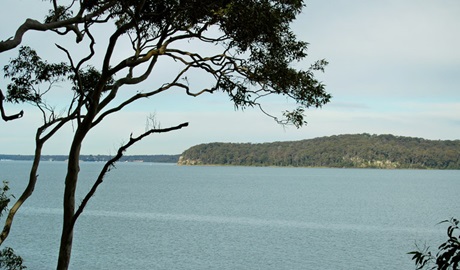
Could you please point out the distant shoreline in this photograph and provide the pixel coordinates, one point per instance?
(95, 158)
(338, 151)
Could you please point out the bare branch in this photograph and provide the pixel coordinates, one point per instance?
(39, 143)
(112, 42)
(76, 68)
(8, 117)
(111, 164)
(31, 24)
(131, 100)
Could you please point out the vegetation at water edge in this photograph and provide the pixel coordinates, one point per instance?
(339, 151)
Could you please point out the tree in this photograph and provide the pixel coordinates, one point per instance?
(254, 51)
(8, 259)
(448, 255)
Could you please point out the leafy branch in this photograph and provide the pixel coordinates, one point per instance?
(448, 255)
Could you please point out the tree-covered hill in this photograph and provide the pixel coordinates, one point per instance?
(349, 151)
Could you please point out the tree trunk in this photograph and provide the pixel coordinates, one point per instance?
(69, 207)
(71, 180)
(26, 194)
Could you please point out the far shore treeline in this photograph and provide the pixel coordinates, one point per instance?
(341, 151)
(98, 158)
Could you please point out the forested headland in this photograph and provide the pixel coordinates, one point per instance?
(340, 151)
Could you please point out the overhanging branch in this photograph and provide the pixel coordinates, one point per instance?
(70, 23)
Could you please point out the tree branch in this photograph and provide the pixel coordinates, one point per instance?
(31, 24)
(111, 164)
(33, 176)
(8, 117)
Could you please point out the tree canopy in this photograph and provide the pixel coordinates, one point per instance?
(349, 151)
(253, 55)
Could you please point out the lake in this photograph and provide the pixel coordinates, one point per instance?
(163, 216)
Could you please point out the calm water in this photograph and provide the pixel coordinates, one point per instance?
(156, 216)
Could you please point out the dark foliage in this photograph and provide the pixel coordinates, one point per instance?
(5, 197)
(448, 255)
(362, 151)
(259, 50)
(8, 259)
(27, 72)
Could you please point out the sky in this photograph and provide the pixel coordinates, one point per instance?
(394, 69)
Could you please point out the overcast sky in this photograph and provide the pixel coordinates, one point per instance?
(394, 69)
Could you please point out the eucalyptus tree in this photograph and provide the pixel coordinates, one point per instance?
(250, 52)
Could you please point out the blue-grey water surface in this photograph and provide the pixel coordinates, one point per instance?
(162, 216)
